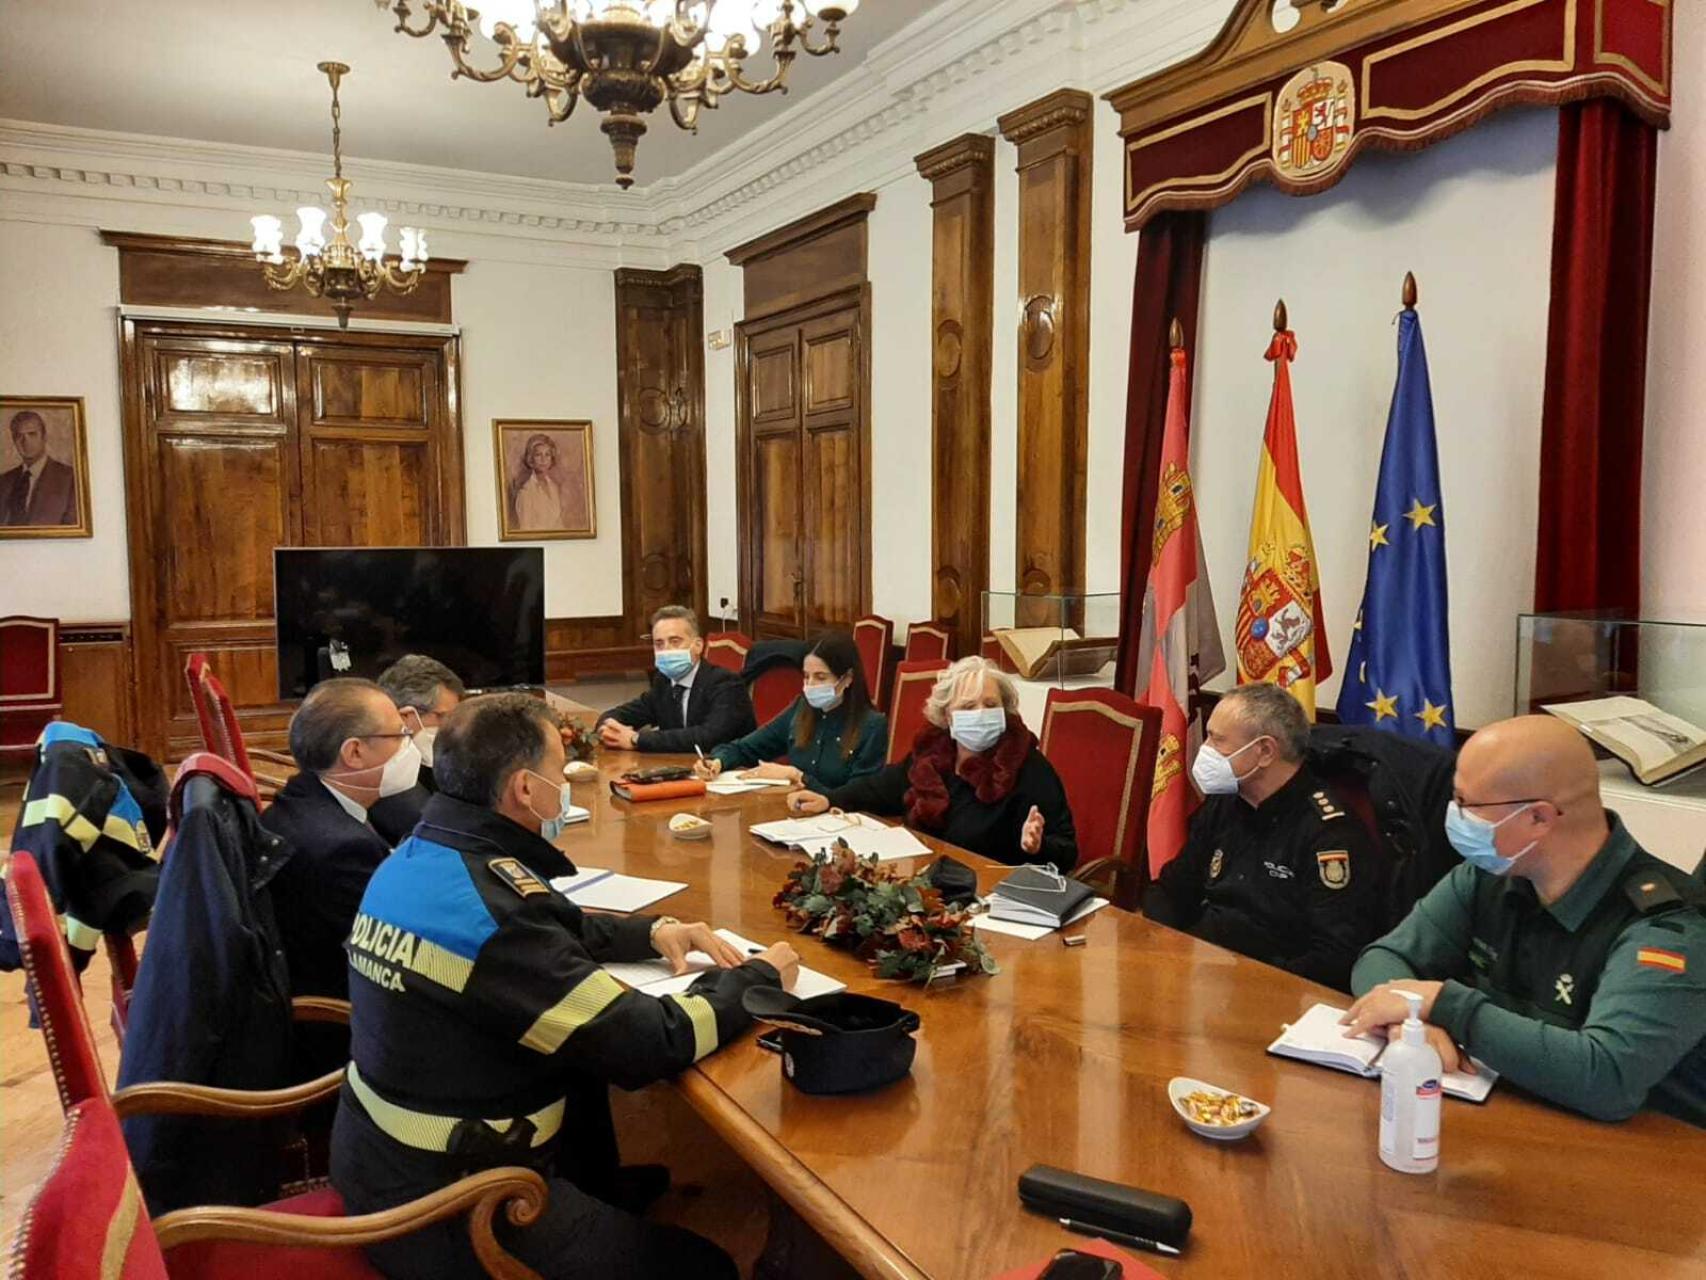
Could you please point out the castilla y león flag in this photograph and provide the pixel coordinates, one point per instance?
(1280, 633)
(1180, 642)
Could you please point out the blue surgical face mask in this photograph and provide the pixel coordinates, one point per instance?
(551, 828)
(674, 663)
(979, 729)
(1473, 838)
(823, 696)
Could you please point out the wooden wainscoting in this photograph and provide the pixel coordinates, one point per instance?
(99, 678)
(576, 647)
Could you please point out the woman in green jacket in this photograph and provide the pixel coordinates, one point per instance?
(830, 736)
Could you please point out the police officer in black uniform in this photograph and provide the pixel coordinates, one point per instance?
(480, 1012)
(1274, 866)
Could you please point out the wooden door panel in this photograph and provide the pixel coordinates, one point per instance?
(223, 380)
(832, 528)
(366, 494)
(776, 510)
(226, 507)
(773, 393)
(372, 390)
(831, 365)
(245, 658)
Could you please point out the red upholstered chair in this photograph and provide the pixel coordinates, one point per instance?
(1103, 744)
(990, 648)
(912, 684)
(775, 690)
(728, 650)
(59, 999)
(927, 641)
(31, 684)
(87, 1222)
(222, 734)
(872, 636)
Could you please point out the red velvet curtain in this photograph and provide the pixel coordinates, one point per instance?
(1589, 549)
(1168, 287)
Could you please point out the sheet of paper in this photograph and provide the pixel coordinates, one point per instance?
(584, 876)
(617, 892)
(655, 978)
(889, 844)
(732, 784)
(864, 834)
(1031, 932)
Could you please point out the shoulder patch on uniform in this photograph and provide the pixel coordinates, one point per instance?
(518, 877)
(1328, 809)
(1334, 866)
(1216, 863)
(1662, 958)
(1651, 892)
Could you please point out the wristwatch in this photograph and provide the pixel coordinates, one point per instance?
(652, 937)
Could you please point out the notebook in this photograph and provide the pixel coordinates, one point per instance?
(1031, 932)
(655, 978)
(1038, 896)
(1319, 1037)
(865, 835)
(734, 784)
(603, 890)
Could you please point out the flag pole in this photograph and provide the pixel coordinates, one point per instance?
(1280, 317)
(1409, 291)
(1176, 335)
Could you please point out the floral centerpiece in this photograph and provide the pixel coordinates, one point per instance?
(899, 926)
(579, 742)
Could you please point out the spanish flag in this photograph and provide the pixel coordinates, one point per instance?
(1281, 633)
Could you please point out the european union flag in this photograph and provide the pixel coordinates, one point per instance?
(1399, 673)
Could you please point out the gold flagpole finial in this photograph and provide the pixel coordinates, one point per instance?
(1409, 291)
(1175, 334)
(1280, 317)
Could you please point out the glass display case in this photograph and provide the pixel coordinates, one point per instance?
(1058, 639)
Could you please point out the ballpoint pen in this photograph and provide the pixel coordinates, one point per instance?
(1119, 1237)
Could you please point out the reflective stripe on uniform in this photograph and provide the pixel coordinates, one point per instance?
(589, 998)
(84, 937)
(428, 1132)
(704, 1019)
(57, 808)
(446, 968)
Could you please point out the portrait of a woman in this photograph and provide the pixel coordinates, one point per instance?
(545, 479)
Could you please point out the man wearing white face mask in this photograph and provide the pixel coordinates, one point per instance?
(427, 689)
(1560, 953)
(353, 748)
(1274, 867)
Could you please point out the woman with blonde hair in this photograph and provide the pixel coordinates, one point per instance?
(974, 778)
(535, 497)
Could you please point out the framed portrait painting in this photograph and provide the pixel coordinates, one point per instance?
(44, 468)
(544, 479)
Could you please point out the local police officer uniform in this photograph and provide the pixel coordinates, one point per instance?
(478, 1002)
(1596, 1001)
(1290, 881)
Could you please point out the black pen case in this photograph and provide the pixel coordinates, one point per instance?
(1111, 1206)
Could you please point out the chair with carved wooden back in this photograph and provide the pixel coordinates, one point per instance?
(927, 641)
(912, 684)
(728, 650)
(1103, 745)
(222, 733)
(206, 1241)
(31, 683)
(87, 1222)
(872, 636)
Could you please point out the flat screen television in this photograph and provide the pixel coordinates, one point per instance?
(478, 610)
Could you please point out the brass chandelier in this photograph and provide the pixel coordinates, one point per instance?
(335, 269)
(628, 57)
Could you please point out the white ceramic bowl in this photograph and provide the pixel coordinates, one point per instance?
(580, 771)
(699, 829)
(1180, 1086)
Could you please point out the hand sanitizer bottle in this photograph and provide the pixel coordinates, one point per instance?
(1410, 1097)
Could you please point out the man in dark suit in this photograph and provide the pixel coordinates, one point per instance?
(690, 702)
(40, 490)
(425, 691)
(352, 747)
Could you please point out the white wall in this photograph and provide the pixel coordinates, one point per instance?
(1472, 218)
(59, 337)
(1673, 519)
(725, 302)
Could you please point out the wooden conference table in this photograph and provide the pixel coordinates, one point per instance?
(1063, 1058)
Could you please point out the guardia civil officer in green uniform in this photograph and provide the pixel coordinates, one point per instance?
(480, 1014)
(1561, 953)
(1274, 866)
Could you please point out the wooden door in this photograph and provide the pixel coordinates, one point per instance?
(803, 456)
(212, 471)
(239, 440)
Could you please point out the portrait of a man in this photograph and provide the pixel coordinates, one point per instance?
(545, 487)
(43, 468)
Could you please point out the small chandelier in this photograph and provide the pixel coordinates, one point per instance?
(627, 57)
(335, 269)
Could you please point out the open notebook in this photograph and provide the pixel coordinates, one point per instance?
(604, 890)
(655, 978)
(864, 835)
(1319, 1037)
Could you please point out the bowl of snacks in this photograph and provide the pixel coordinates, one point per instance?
(580, 771)
(687, 826)
(1215, 1112)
